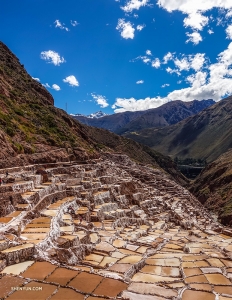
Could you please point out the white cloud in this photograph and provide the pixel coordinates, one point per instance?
(229, 14)
(132, 104)
(37, 79)
(71, 80)
(140, 82)
(182, 64)
(165, 85)
(140, 27)
(56, 87)
(52, 57)
(171, 71)
(210, 31)
(229, 32)
(74, 23)
(194, 37)
(167, 57)
(195, 9)
(46, 85)
(101, 100)
(196, 21)
(58, 24)
(214, 82)
(197, 61)
(156, 63)
(126, 29)
(134, 4)
(148, 52)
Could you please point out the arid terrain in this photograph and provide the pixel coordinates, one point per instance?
(87, 214)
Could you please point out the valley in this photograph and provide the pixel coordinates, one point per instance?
(88, 214)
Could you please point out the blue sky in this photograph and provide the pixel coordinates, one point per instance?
(122, 55)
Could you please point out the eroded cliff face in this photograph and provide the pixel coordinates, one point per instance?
(76, 229)
(213, 187)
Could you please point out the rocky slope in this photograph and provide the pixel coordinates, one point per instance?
(214, 187)
(165, 115)
(33, 130)
(205, 135)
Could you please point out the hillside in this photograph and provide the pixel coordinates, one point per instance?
(165, 115)
(32, 130)
(213, 187)
(205, 135)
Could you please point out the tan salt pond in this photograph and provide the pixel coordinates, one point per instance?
(93, 237)
(5, 219)
(110, 287)
(17, 268)
(94, 257)
(66, 293)
(61, 276)
(169, 262)
(41, 220)
(39, 270)
(121, 268)
(151, 289)
(107, 260)
(50, 213)
(152, 270)
(14, 214)
(143, 277)
(34, 236)
(217, 279)
(194, 295)
(126, 251)
(36, 230)
(227, 263)
(201, 263)
(203, 287)
(131, 259)
(215, 262)
(170, 271)
(40, 225)
(142, 249)
(192, 271)
(17, 248)
(196, 279)
(105, 247)
(117, 254)
(118, 243)
(66, 228)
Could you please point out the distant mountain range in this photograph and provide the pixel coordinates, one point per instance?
(165, 115)
(205, 135)
(96, 115)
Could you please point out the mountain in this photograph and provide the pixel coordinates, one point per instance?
(165, 115)
(214, 187)
(96, 115)
(205, 135)
(168, 114)
(32, 130)
(111, 122)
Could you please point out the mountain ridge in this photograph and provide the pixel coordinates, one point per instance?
(165, 115)
(205, 135)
